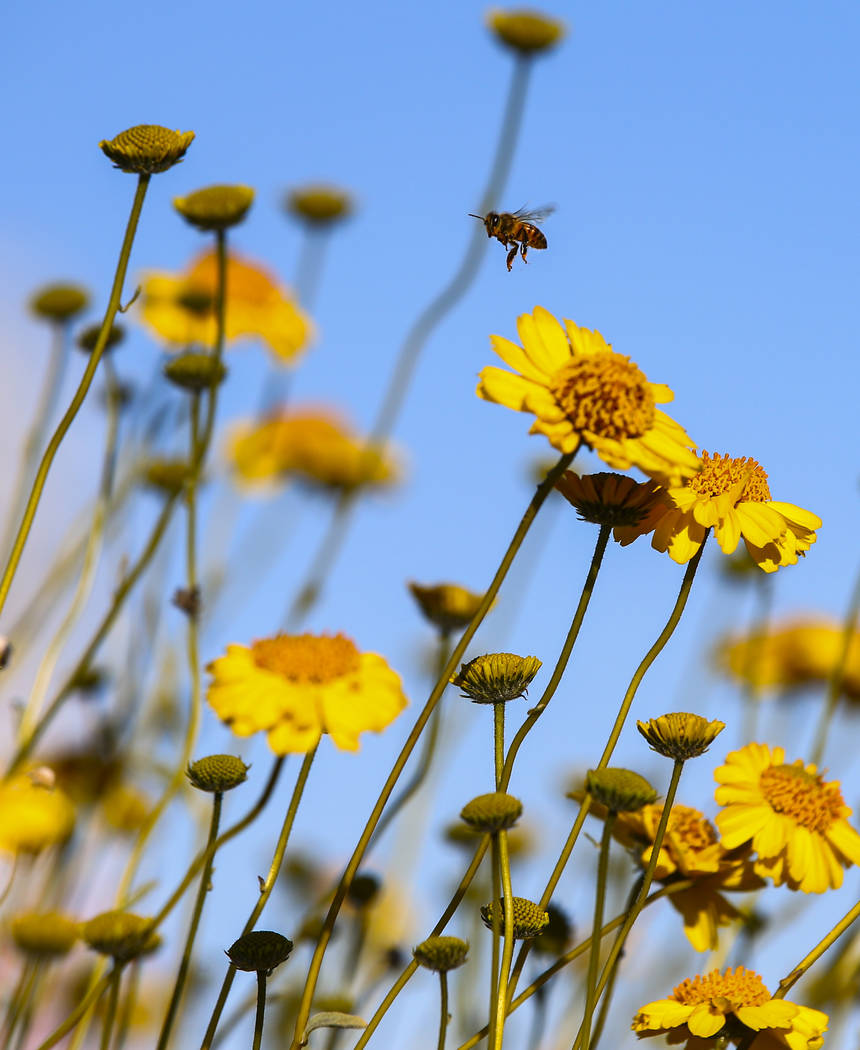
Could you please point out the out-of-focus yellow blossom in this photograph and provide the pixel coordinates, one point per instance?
(33, 816)
(526, 31)
(297, 687)
(791, 655)
(731, 1004)
(125, 809)
(690, 850)
(793, 818)
(312, 445)
(731, 496)
(583, 393)
(180, 308)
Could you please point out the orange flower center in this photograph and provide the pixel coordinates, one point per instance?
(802, 796)
(720, 474)
(307, 657)
(604, 394)
(692, 828)
(741, 987)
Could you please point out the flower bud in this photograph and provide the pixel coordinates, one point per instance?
(527, 32)
(89, 336)
(496, 677)
(217, 773)
(195, 371)
(493, 812)
(318, 204)
(529, 918)
(441, 953)
(680, 735)
(59, 302)
(43, 934)
(167, 475)
(120, 934)
(446, 605)
(147, 148)
(259, 951)
(620, 790)
(215, 207)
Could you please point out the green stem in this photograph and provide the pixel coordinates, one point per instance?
(261, 1010)
(266, 888)
(78, 399)
(497, 922)
(620, 719)
(837, 676)
(443, 1010)
(182, 974)
(81, 1009)
(508, 951)
(18, 1000)
(594, 954)
(110, 1011)
(543, 490)
(417, 336)
(499, 742)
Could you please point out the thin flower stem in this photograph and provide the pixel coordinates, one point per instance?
(443, 1010)
(787, 983)
(78, 399)
(508, 952)
(266, 888)
(182, 973)
(261, 1010)
(621, 717)
(610, 984)
(564, 656)
(17, 1004)
(499, 742)
(496, 927)
(837, 676)
(110, 1011)
(594, 954)
(417, 336)
(534, 506)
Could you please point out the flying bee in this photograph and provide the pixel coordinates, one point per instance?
(516, 228)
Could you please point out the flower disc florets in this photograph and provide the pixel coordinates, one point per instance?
(215, 207)
(217, 773)
(59, 302)
(260, 951)
(680, 735)
(441, 953)
(120, 934)
(446, 605)
(620, 790)
(526, 31)
(147, 148)
(43, 934)
(496, 678)
(318, 204)
(493, 812)
(195, 372)
(529, 918)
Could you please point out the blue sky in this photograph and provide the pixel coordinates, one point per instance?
(703, 161)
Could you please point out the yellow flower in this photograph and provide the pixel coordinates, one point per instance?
(794, 819)
(297, 687)
(791, 655)
(180, 308)
(731, 495)
(610, 499)
(33, 816)
(527, 32)
(312, 445)
(583, 393)
(690, 850)
(731, 1004)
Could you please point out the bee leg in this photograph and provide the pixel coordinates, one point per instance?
(512, 254)
(523, 249)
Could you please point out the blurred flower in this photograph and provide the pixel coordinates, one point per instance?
(311, 445)
(215, 207)
(147, 149)
(690, 850)
(793, 818)
(297, 687)
(125, 809)
(32, 816)
(318, 204)
(441, 953)
(731, 1004)
(120, 934)
(89, 337)
(180, 308)
(731, 496)
(525, 31)
(791, 655)
(583, 393)
(446, 605)
(610, 499)
(44, 934)
(59, 302)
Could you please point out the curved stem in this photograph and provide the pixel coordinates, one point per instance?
(508, 952)
(78, 399)
(266, 888)
(534, 506)
(443, 1010)
(110, 1012)
(594, 954)
(496, 921)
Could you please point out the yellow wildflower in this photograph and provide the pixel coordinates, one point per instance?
(793, 818)
(297, 687)
(731, 496)
(180, 308)
(730, 1004)
(33, 816)
(583, 393)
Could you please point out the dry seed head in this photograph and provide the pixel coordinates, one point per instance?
(529, 918)
(259, 950)
(496, 677)
(59, 302)
(217, 773)
(120, 934)
(147, 148)
(89, 336)
(493, 812)
(318, 204)
(441, 953)
(446, 605)
(620, 790)
(526, 31)
(215, 207)
(195, 372)
(44, 933)
(166, 475)
(680, 735)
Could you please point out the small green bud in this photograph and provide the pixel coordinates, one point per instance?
(620, 790)
(147, 148)
(441, 953)
(195, 371)
(89, 336)
(217, 773)
(496, 678)
(59, 302)
(529, 918)
(120, 934)
(680, 735)
(215, 207)
(318, 205)
(44, 934)
(493, 812)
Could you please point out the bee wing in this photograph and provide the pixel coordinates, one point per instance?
(534, 214)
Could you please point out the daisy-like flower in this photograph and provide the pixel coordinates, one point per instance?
(731, 496)
(297, 687)
(314, 446)
(690, 850)
(180, 308)
(793, 818)
(731, 1005)
(610, 499)
(792, 655)
(583, 393)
